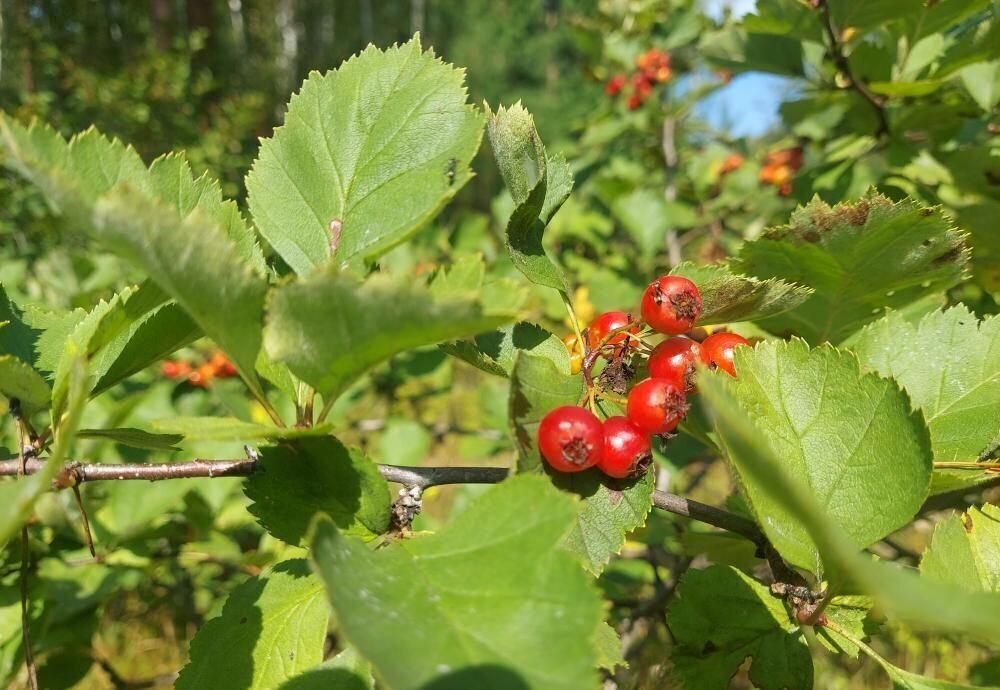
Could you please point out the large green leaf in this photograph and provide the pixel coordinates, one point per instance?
(271, 628)
(965, 550)
(851, 438)
(195, 262)
(720, 617)
(379, 144)
(75, 174)
(728, 297)
(297, 480)
(18, 380)
(538, 184)
(133, 438)
(859, 258)
(899, 593)
(454, 607)
(331, 328)
(949, 364)
(495, 352)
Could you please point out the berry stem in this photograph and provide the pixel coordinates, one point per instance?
(572, 317)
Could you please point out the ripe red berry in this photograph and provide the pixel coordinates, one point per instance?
(627, 452)
(717, 351)
(607, 322)
(571, 439)
(656, 406)
(614, 85)
(675, 359)
(671, 305)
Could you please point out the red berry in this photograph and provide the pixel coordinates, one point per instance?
(671, 305)
(607, 322)
(656, 406)
(571, 439)
(717, 351)
(627, 452)
(675, 359)
(614, 85)
(635, 101)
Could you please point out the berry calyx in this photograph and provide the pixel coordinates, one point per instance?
(656, 405)
(627, 452)
(671, 305)
(717, 351)
(607, 322)
(571, 439)
(675, 359)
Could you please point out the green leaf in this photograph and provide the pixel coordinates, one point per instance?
(53, 328)
(949, 364)
(739, 50)
(859, 258)
(197, 264)
(537, 386)
(610, 510)
(719, 617)
(538, 184)
(495, 352)
(647, 216)
(452, 607)
(299, 480)
(609, 648)
(982, 81)
(75, 174)
(19, 380)
(380, 144)
(232, 429)
(965, 550)
(271, 628)
(16, 338)
(899, 593)
(134, 438)
(728, 297)
(18, 497)
(851, 437)
(850, 614)
(327, 677)
(330, 328)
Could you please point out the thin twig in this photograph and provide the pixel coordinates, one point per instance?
(75, 473)
(843, 64)
(88, 537)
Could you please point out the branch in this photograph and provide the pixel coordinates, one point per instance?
(844, 65)
(75, 473)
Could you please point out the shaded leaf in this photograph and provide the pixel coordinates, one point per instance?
(380, 144)
(859, 259)
(18, 380)
(297, 481)
(271, 628)
(134, 438)
(965, 550)
(495, 352)
(720, 617)
(16, 338)
(453, 605)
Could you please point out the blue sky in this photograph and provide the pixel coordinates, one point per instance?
(748, 105)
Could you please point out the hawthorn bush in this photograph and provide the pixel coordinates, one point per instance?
(275, 376)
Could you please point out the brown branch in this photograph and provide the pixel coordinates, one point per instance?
(75, 473)
(843, 64)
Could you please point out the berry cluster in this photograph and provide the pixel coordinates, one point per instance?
(217, 366)
(652, 67)
(780, 167)
(572, 438)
